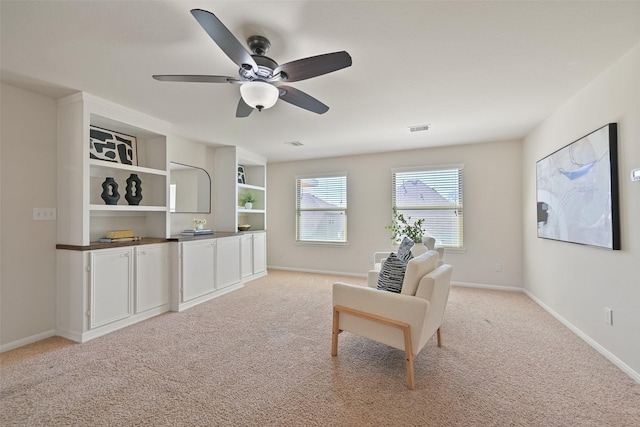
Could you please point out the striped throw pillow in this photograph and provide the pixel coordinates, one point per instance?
(391, 274)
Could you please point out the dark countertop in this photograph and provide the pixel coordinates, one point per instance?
(153, 240)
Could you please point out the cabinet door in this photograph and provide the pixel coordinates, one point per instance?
(259, 252)
(111, 285)
(152, 276)
(246, 255)
(197, 268)
(228, 261)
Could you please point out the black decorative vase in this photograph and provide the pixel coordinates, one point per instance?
(110, 193)
(134, 190)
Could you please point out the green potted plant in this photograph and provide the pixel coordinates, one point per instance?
(400, 226)
(247, 200)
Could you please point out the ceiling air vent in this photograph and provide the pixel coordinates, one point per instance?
(419, 128)
(295, 143)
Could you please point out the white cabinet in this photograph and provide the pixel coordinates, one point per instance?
(259, 253)
(228, 262)
(111, 286)
(102, 290)
(246, 255)
(152, 276)
(197, 269)
(208, 268)
(253, 252)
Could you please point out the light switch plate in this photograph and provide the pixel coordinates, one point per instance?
(45, 214)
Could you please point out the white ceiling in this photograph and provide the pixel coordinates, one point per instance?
(476, 71)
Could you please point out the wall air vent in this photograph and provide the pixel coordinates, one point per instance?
(295, 143)
(419, 128)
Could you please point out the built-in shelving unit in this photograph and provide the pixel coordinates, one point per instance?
(229, 211)
(101, 289)
(83, 216)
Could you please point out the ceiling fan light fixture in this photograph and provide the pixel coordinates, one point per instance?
(259, 95)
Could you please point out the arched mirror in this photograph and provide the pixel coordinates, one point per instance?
(189, 189)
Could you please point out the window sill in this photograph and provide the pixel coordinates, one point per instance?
(337, 244)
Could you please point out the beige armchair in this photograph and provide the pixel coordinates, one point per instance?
(405, 320)
(428, 243)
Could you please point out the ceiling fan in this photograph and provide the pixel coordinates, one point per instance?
(261, 77)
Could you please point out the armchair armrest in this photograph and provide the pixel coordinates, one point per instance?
(372, 278)
(379, 256)
(398, 307)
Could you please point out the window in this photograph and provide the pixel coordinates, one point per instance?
(321, 208)
(435, 194)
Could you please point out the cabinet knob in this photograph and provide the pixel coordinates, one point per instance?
(125, 254)
(142, 252)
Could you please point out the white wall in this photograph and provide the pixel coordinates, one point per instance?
(492, 211)
(577, 282)
(28, 180)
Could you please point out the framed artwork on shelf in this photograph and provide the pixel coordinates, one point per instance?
(112, 146)
(242, 177)
(577, 191)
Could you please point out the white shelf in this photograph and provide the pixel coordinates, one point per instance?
(250, 211)
(251, 187)
(128, 168)
(127, 208)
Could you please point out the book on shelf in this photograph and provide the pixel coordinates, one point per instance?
(119, 239)
(196, 232)
(116, 234)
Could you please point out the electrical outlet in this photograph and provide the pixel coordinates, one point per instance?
(498, 267)
(45, 214)
(608, 316)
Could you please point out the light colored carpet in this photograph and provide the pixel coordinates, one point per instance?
(262, 356)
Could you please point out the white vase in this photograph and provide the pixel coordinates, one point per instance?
(248, 205)
(199, 226)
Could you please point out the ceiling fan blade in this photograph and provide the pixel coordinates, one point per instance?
(302, 100)
(224, 38)
(243, 109)
(314, 66)
(194, 78)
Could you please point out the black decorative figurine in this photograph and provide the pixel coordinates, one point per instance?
(110, 193)
(134, 190)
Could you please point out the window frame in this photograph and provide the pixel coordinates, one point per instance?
(299, 209)
(458, 207)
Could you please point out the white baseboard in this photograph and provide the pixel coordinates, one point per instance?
(27, 340)
(600, 349)
(492, 287)
(305, 270)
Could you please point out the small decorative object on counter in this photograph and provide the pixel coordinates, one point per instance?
(244, 227)
(196, 232)
(110, 193)
(134, 190)
(198, 224)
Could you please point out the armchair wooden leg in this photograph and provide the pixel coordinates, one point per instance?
(405, 327)
(439, 335)
(335, 332)
(411, 379)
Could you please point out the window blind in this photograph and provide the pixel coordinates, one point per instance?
(434, 194)
(321, 209)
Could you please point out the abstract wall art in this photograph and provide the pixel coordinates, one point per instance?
(577, 191)
(112, 146)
